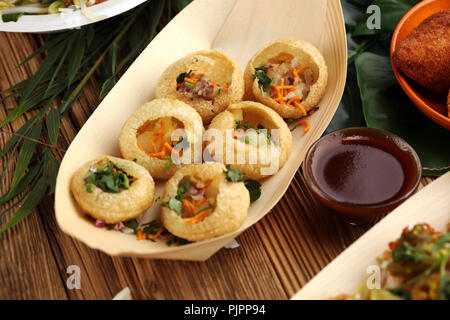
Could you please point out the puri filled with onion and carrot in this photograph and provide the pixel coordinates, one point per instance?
(160, 134)
(113, 190)
(201, 201)
(209, 81)
(250, 137)
(288, 75)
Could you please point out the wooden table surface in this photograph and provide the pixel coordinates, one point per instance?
(276, 257)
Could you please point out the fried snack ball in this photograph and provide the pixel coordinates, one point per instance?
(288, 51)
(221, 85)
(231, 202)
(448, 103)
(156, 128)
(114, 207)
(424, 55)
(251, 115)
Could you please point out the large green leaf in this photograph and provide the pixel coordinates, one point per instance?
(391, 11)
(387, 107)
(33, 200)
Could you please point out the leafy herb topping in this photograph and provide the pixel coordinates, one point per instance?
(253, 186)
(175, 204)
(233, 174)
(254, 189)
(263, 80)
(180, 78)
(406, 252)
(109, 178)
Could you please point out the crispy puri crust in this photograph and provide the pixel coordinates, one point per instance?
(225, 120)
(232, 204)
(424, 55)
(308, 54)
(216, 66)
(114, 207)
(155, 109)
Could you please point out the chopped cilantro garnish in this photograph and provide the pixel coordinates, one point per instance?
(180, 78)
(133, 224)
(254, 189)
(169, 163)
(177, 241)
(233, 174)
(175, 204)
(263, 80)
(109, 178)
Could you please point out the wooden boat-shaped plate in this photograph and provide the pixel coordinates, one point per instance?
(348, 270)
(239, 28)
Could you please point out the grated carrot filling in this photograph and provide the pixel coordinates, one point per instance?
(156, 235)
(201, 216)
(165, 149)
(280, 92)
(190, 207)
(140, 235)
(305, 123)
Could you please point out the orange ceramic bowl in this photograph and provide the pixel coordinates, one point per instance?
(433, 106)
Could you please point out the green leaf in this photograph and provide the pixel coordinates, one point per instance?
(181, 4)
(11, 17)
(444, 288)
(53, 168)
(27, 180)
(350, 110)
(254, 189)
(32, 201)
(443, 240)
(52, 122)
(25, 154)
(175, 205)
(62, 59)
(406, 252)
(182, 188)
(391, 13)
(21, 132)
(133, 224)
(233, 174)
(107, 86)
(76, 57)
(46, 67)
(387, 107)
(54, 41)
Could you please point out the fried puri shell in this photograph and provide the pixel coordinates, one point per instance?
(152, 111)
(424, 55)
(114, 207)
(258, 114)
(217, 67)
(232, 203)
(284, 51)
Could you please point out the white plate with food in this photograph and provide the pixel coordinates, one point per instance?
(57, 15)
(402, 256)
(131, 114)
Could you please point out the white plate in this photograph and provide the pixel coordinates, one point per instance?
(344, 274)
(239, 28)
(57, 22)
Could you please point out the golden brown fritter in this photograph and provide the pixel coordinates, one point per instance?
(448, 107)
(424, 55)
